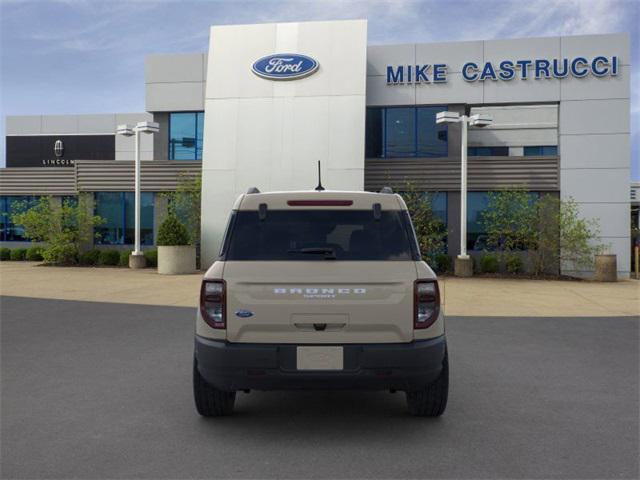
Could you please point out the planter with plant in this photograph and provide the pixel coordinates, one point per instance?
(175, 254)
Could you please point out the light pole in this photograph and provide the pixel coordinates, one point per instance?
(136, 259)
(463, 264)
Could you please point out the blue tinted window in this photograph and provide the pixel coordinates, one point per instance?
(400, 132)
(405, 132)
(185, 135)
(477, 202)
(439, 205)
(432, 137)
(541, 151)
(9, 232)
(117, 209)
(488, 151)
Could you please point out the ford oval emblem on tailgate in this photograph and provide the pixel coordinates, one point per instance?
(244, 314)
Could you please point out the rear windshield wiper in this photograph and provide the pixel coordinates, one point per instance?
(329, 253)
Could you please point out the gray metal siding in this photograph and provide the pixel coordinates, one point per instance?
(485, 173)
(156, 176)
(38, 181)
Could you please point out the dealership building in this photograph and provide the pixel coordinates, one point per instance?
(267, 101)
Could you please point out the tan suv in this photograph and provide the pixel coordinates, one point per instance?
(320, 290)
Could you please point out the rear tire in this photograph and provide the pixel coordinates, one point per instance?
(210, 402)
(432, 400)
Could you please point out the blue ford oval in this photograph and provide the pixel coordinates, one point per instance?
(285, 66)
(244, 314)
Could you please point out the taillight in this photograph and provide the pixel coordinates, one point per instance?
(426, 303)
(213, 296)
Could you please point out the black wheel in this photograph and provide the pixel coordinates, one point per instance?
(432, 401)
(211, 402)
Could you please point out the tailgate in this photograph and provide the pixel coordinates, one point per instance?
(320, 302)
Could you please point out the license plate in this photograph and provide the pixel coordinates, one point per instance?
(320, 358)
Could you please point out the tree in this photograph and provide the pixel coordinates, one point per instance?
(550, 229)
(563, 237)
(510, 220)
(430, 229)
(184, 203)
(63, 227)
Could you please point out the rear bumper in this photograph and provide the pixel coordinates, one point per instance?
(255, 366)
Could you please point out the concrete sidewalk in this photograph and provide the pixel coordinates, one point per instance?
(462, 297)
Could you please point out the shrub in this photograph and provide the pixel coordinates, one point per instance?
(513, 263)
(430, 229)
(63, 227)
(90, 257)
(5, 254)
(185, 204)
(489, 263)
(34, 254)
(109, 257)
(172, 232)
(18, 254)
(443, 263)
(61, 254)
(152, 258)
(124, 258)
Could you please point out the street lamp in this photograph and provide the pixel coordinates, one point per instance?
(136, 259)
(463, 264)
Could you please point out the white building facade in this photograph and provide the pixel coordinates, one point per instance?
(560, 108)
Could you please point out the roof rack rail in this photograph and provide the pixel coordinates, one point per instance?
(386, 190)
(253, 190)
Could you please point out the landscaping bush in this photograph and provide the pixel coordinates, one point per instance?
(489, 263)
(109, 257)
(443, 263)
(63, 227)
(172, 232)
(34, 254)
(18, 254)
(430, 230)
(5, 254)
(90, 257)
(124, 258)
(61, 254)
(152, 258)
(513, 264)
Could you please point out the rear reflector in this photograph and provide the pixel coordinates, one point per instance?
(319, 203)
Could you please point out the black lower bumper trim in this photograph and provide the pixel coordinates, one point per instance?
(254, 366)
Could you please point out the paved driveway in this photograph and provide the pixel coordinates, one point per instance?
(96, 390)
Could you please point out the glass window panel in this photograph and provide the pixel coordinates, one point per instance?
(439, 205)
(550, 150)
(477, 203)
(146, 218)
(109, 207)
(199, 134)
(432, 137)
(15, 204)
(182, 136)
(532, 151)
(374, 132)
(400, 132)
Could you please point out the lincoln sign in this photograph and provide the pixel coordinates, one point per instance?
(506, 70)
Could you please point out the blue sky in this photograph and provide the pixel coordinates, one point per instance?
(84, 56)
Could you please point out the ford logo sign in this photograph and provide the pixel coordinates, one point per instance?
(285, 66)
(244, 314)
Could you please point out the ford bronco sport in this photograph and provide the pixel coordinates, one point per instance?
(320, 290)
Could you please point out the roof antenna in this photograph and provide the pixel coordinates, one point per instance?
(319, 188)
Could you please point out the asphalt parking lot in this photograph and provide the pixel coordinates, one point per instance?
(99, 390)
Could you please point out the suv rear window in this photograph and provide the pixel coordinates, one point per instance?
(320, 235)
